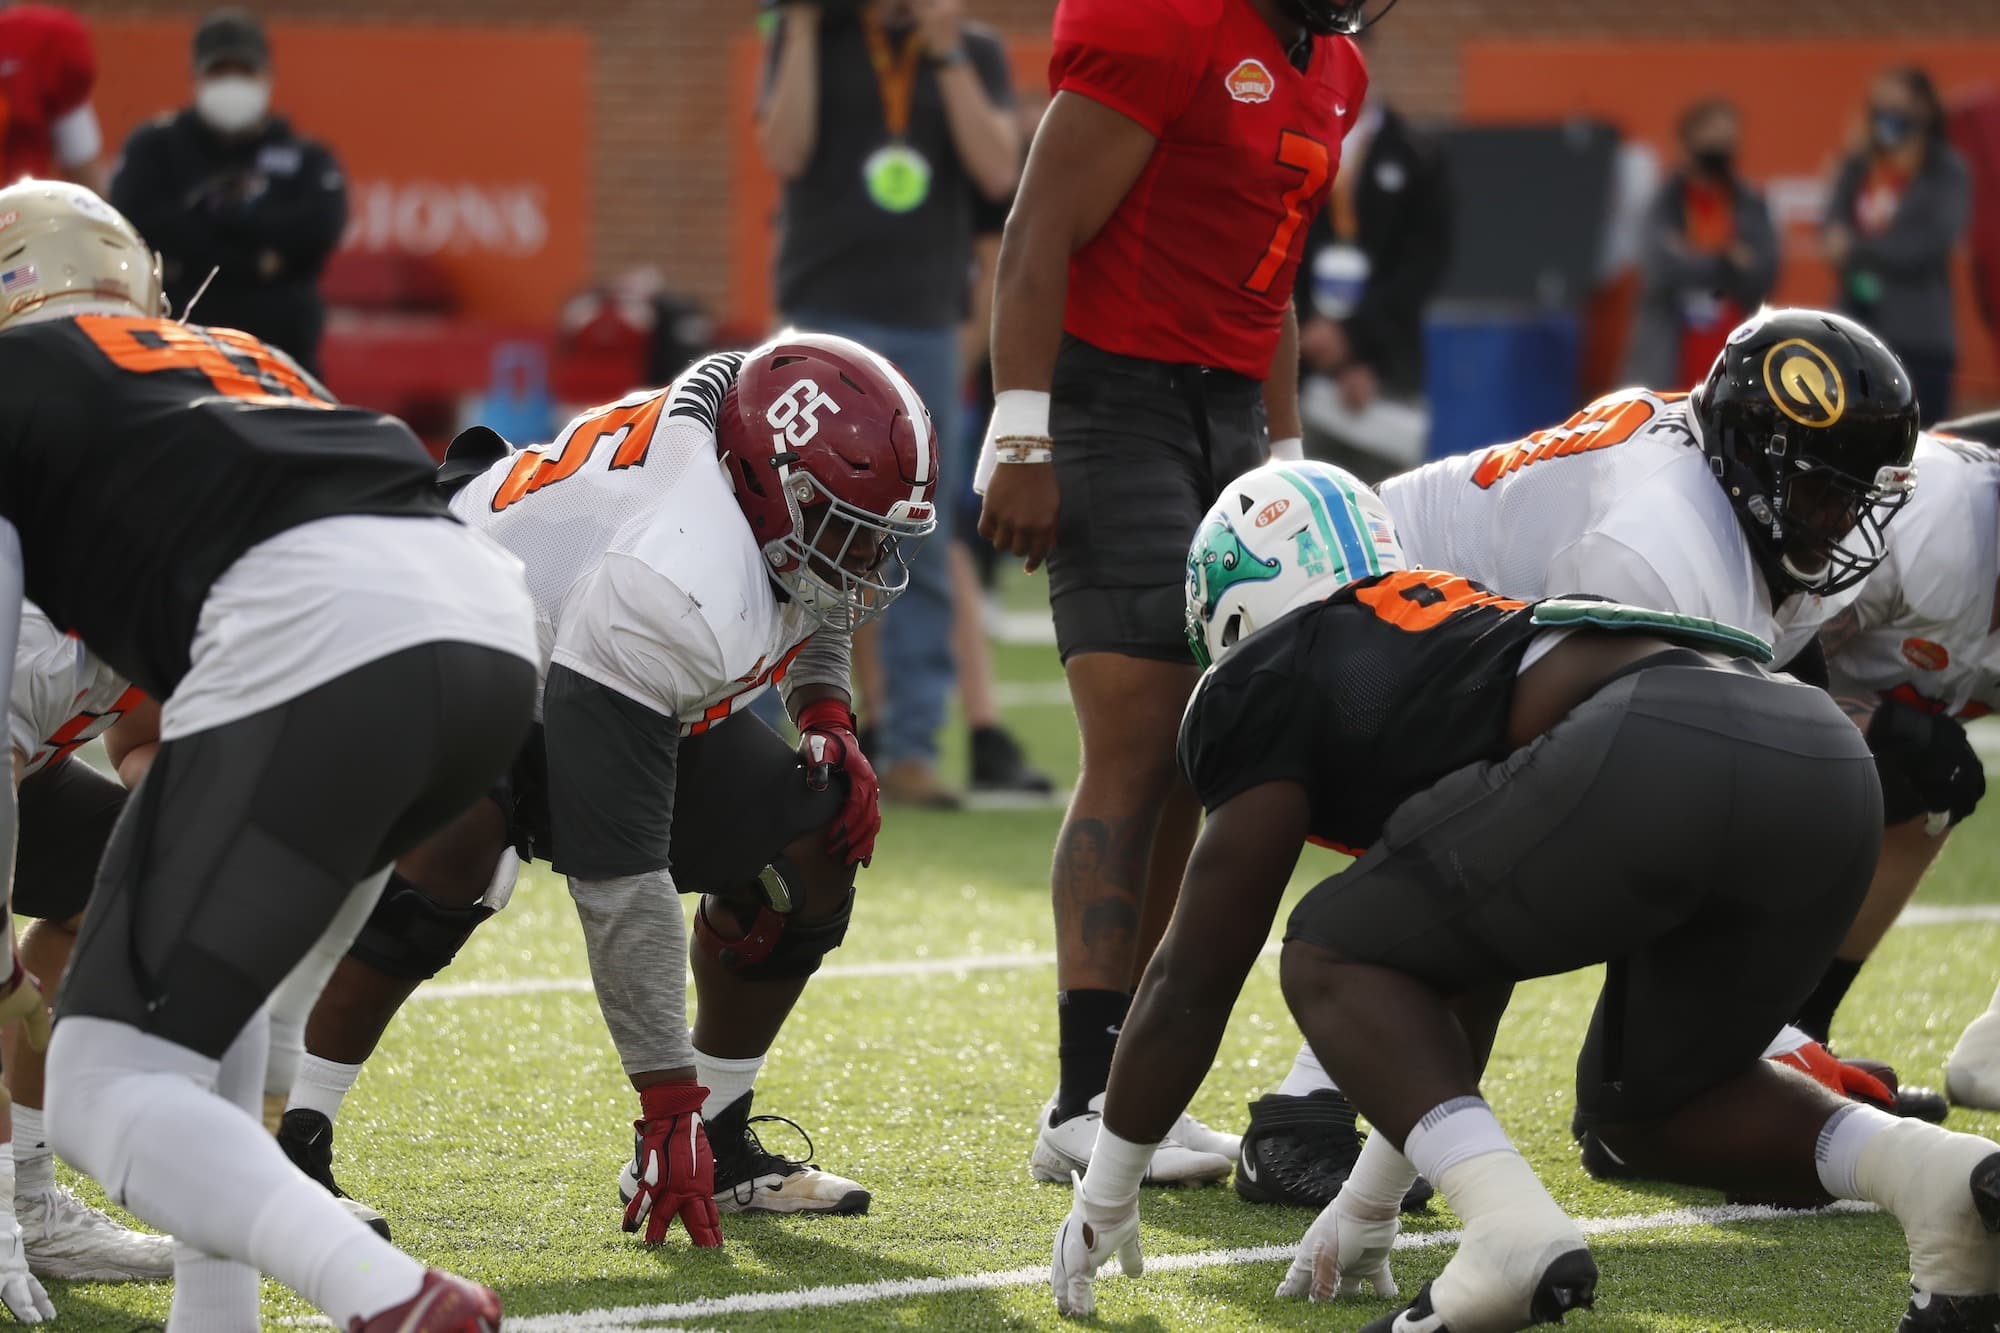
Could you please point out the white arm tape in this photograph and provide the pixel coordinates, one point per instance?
(1018, 415)
(1292, 450)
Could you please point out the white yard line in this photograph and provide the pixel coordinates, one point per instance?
(904, 1289)
(1004, 962)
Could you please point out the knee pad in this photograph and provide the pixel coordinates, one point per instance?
(411, 935)
(775, 944)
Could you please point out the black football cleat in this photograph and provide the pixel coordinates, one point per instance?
(307, 1138)
(1951, 1314)
(1300, 1151)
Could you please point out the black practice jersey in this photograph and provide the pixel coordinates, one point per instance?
(1365, 699)
(139, 458)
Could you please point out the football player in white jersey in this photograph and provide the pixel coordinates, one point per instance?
(1912, 659)
(63, 698)
(687, 549)
(1760, 500)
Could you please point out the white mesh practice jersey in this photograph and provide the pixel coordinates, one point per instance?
(1618, 501)
(1922, 625)
(62, 697)
(644, 572)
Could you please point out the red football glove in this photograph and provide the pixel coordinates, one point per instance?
(1850, 1081)
(675, 1168)
(827, 746)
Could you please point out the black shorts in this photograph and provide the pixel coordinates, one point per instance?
(1708, 832)
(243, 841)
(1142, 450)
(66, 816)
(716, 808)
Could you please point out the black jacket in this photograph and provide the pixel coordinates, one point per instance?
(1402, 210)
(266, 210)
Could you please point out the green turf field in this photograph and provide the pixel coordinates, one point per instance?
(491, 1127)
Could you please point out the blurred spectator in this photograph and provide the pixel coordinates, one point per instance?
(886, 123)
(1898, 208)
(1708, 258)
(1373, 259)
(225, 185)
(996, 760)
(47, 69)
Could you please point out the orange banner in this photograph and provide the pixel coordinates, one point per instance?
(468, 146)
(1801, 101)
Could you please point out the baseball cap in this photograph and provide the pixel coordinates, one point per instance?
(230, 36)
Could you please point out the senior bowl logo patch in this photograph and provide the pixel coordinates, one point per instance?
(1250, 82)
(1925, 655)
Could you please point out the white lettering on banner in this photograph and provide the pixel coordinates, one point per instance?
(423, 217)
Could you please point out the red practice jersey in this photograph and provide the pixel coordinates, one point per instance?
(1196, 265)
(47, 69)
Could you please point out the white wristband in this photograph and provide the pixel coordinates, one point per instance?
(1292, 450)
(1020, 416)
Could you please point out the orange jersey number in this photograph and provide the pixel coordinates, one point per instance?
(1421, 599)
(1596, 427)
(535, 468)
(1304, 153)
(235, 364)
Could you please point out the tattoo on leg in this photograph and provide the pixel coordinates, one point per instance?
(1100, 874)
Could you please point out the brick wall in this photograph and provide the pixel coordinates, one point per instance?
(661, 167)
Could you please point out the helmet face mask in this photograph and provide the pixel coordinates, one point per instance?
(1278, 537)
(1809, 423)
(1331, 18)
(846, 565)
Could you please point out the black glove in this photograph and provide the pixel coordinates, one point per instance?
(1926, 761)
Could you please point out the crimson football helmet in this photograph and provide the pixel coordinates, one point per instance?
(834, 462)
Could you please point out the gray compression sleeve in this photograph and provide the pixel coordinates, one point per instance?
(825, 660)
(637, 940)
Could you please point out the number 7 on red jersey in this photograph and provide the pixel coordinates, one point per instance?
(1302, 153)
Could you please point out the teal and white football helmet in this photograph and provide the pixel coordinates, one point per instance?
(1280, 536)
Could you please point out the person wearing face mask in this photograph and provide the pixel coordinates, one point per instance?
(1709, 256)
(226, 186)
(1898, 208)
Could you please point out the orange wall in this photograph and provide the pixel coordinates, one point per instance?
(1801, 104)
(469, 145)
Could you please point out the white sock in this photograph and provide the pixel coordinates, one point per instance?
(137, 1113)
(1117, 1169)
(292, 1003)
(726, 1080)
(212, 1295)
(1380, 1178)
(34, 1164)
(1837, 1154)
(321, 1085)
(1306, 1076)
(1452, 1132)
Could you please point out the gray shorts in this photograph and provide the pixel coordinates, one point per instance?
(1142, 450)
(1709, 833)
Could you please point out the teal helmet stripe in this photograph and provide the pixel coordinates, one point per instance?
(1332, 507)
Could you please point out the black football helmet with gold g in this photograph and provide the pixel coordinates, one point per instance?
(1810, 422)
